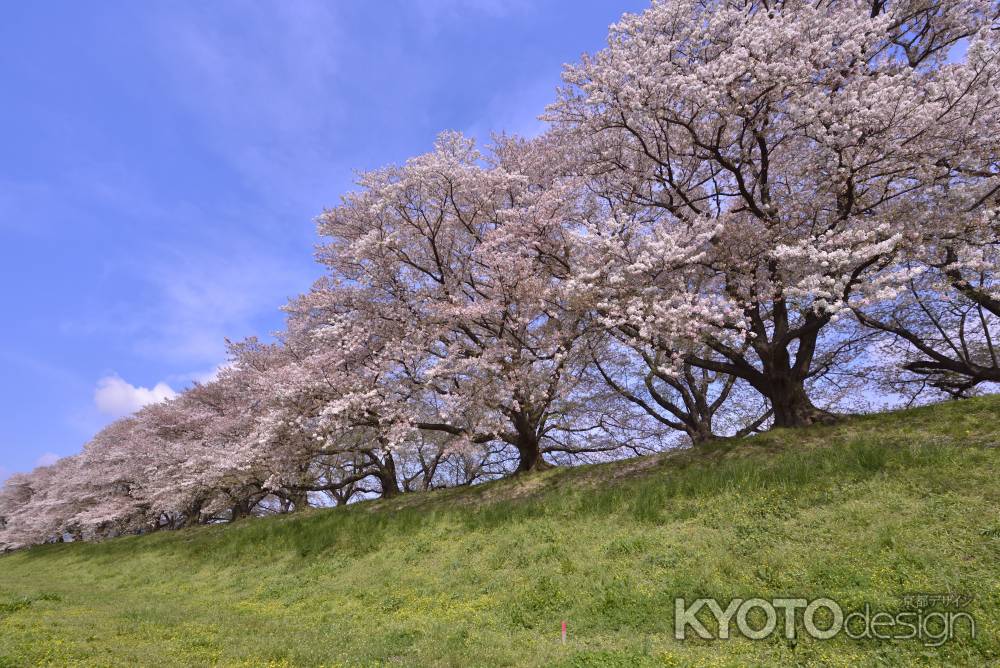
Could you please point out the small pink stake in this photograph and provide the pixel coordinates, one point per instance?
(564, 631)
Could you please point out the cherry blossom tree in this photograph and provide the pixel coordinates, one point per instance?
(15, 497)
(943, 323)
(939, 337)
(40, 506)
(734, 201)
(453, 261)
(694, 401)
(763, 165)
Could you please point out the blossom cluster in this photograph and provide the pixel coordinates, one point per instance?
(733, 205)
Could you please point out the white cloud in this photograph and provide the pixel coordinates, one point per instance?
(47, 459)
(116, 397)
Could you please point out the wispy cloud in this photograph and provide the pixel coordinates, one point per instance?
(516, 111)
(435, 12)
(259, 80)
(204, 299)
(238, 80)
(198, 376)
(275, 87)
(182, 304)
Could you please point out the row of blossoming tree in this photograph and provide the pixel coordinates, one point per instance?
(743, 215)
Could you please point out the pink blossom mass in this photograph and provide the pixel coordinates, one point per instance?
(741, 215)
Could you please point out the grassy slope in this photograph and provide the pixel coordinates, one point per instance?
(860, 512)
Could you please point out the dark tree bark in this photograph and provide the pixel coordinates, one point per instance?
(529, 457)
(791, 405)
(527, 439)
(242, 508)
(682, 401)
(779, 377)
(385, 471)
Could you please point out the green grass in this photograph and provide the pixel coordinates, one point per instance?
(860, 512)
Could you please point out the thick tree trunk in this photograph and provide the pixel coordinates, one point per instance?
(241, 509)
(526, 440)
(529, 456)
(699, 431)
(783, 380)
(192, 515)
(387, 478)
(792, 406)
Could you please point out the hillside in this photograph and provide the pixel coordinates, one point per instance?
(862, 512)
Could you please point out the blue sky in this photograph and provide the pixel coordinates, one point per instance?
(162, 163)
